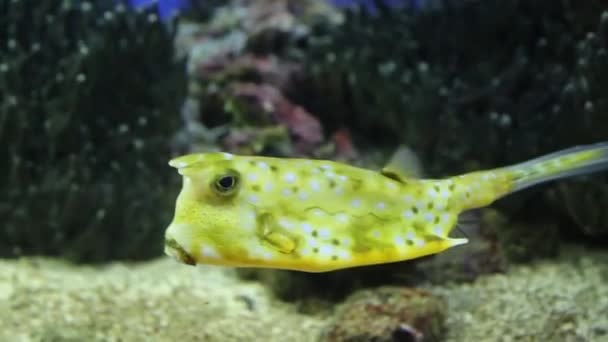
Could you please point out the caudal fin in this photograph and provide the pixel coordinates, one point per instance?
(570, 162)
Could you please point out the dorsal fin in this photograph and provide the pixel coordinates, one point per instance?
(403, 164)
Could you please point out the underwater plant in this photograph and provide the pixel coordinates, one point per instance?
(88, 102)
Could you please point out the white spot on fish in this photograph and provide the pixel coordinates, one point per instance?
(431, 193)
(262, 165)
(326, 167)
(286, 192)
(376, 233)
(338, 191)
(346, 242)
(267, 255)
(330, 174)
(314, 185)
(381, 205)
(342, 178)
(256, 250)
(249, 221)
(356, 203)
(286, 224)
(410, 235)
(419, 242)
(323, 233)
(445, 217)
(445, 193)
(303, 195)
(209, 252)
(428, 217)
(325, 250)
(342, 254)
(268, 187)
(306, 228)
(398, 240)
(317, 212)
(305, 251)
(408, 198)
(408, 214)
(343, 218)
(253, 198)
(438, 231)
(252, 177)
(227, 156)
(289, 177)
(391, 185)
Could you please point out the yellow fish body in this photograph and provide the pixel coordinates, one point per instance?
(318, 215)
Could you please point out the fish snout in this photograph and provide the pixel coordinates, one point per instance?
(174, 246)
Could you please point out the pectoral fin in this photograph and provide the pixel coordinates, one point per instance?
(274, 235)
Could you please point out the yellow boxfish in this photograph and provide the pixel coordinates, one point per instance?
(319, 215)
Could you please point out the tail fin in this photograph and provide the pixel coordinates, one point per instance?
(478, 189)
(565, 163)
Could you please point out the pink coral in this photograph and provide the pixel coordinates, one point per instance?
(305, 129)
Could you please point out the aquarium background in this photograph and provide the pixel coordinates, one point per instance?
(97, 96)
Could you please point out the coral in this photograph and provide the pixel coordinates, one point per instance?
(388, 314)
(303, 127)
(242, 79)
(343, 143)
(87, 99)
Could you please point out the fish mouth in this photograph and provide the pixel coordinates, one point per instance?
(173, 249)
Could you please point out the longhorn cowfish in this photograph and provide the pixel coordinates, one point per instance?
(319, 215)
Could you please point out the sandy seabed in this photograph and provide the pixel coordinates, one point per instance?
(41, 299)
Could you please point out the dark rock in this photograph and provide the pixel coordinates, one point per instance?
(388, 314)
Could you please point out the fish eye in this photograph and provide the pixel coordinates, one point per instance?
(226, 184)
